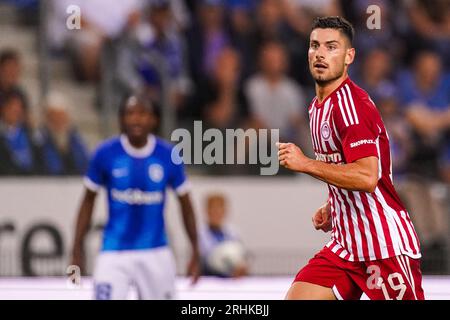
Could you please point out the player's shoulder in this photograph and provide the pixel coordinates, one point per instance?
(163, 148)
(360, 96)
(162, 145)
(165, 151)
(352, 100)
(108, 146)
(311, 104)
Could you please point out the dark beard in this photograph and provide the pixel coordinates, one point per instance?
(323, 83)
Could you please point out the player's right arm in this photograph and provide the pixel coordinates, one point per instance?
(82, 227)
(93, 181)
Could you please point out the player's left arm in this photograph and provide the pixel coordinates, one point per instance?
(360, 175)
(178, 181)
(191, 230)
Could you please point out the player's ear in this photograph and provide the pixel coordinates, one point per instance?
(349, 56)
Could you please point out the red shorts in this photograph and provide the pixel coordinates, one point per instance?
(393, 278)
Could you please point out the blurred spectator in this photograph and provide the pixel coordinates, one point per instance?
(375, 77)
(375, 74)
(243, 33)
(100, 20)
(425, 94)
(221, 103)
(270, 20)
(317, 7)
(208, 36)
(368, 37)
(445, 164)
(63, 150)
(181, 15)
(276, 101)
(400, 132)
(10, 71)
(221, 100)
(272, 24)
(26, 11)
(430, 21)
(18, 152)
(300, 13)
(426, 200)
(222, 252)
(140, 60)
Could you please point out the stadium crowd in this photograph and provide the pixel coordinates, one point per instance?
(243, 64)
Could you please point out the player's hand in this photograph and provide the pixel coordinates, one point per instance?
(194, 268)
(240, 271)
(78, 259)
(322, 218)
(292, 157)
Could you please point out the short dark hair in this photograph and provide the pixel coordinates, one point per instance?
(10, 96)
(8, 55)
(140, 98)
(337, 23)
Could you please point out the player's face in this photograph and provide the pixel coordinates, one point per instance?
(13, 112)
(137, 121)
(329, 55)
(9, 73)
(216, 213)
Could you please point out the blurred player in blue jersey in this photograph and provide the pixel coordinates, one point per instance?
(135, 168)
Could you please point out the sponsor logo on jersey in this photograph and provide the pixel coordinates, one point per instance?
(119, 172)
(332, 157)
(361, 142)
(156, 172)
(136, 196)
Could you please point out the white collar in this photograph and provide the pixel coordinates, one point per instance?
(143, 152)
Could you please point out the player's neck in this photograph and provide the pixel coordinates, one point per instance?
(324, 90)
(138, 142)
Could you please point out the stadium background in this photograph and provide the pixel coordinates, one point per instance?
(211, 63)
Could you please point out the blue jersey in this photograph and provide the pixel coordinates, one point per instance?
(136, 182)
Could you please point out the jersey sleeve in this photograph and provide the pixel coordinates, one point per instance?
(95, 175)
(356, 122)
(177, 179)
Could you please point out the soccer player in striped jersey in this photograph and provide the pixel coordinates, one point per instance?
(374, 248)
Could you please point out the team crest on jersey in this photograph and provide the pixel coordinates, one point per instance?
(156, 172)
(325, 130)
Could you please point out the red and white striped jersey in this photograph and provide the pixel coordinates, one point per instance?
(346, 127)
